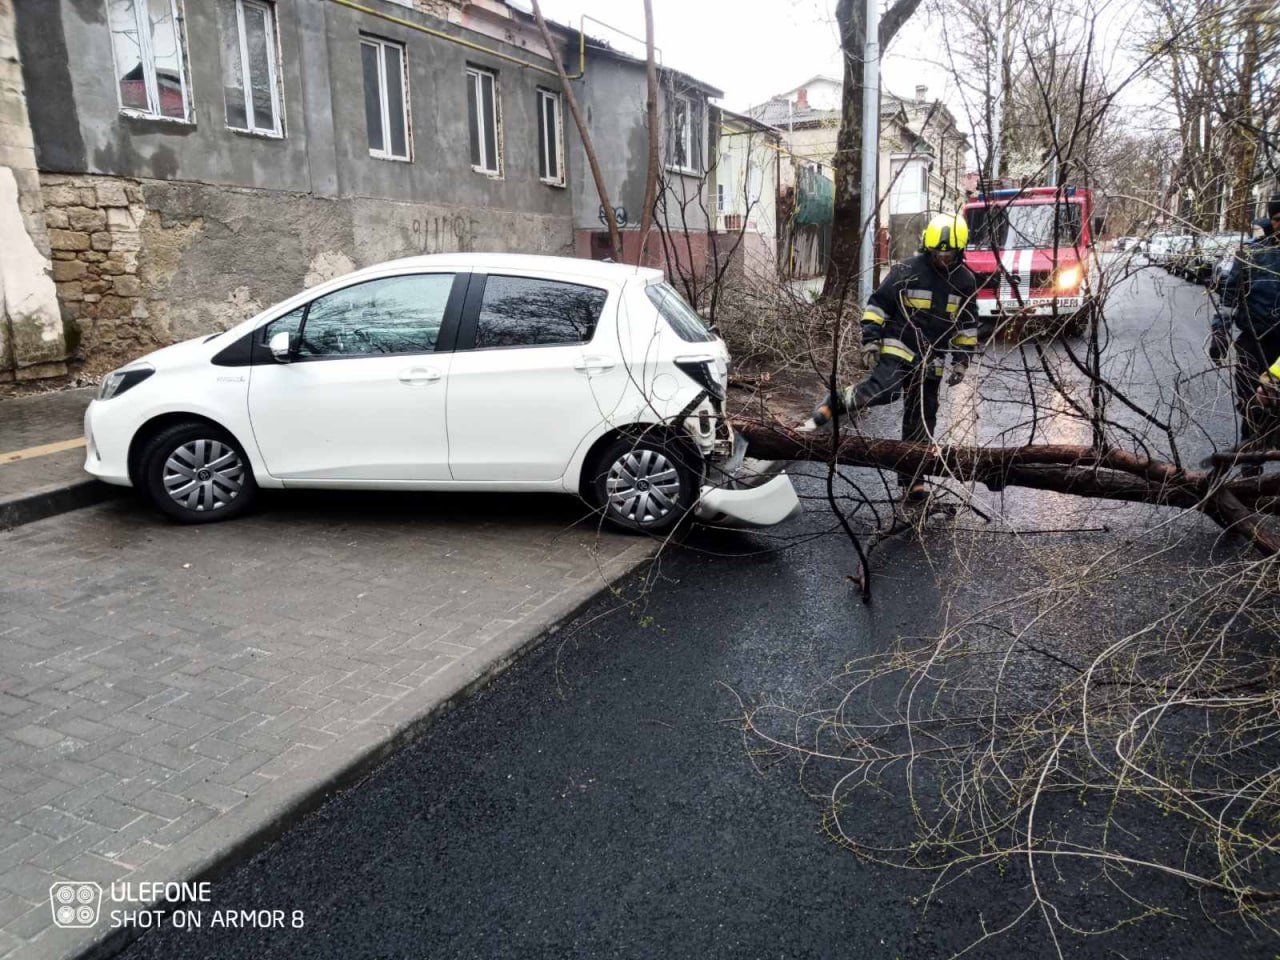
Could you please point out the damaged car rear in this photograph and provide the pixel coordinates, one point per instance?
(494, 372)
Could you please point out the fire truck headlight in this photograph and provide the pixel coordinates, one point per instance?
(1068, 278)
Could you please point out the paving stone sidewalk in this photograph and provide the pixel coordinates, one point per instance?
(168, 692)
(49, 483)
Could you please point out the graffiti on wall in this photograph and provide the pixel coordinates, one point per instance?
(447, 234)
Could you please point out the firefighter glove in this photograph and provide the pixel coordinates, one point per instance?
(958, 369)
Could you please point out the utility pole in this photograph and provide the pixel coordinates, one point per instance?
(998, 108)
(870, 148)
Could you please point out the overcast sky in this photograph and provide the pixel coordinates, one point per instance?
(750, 49)
(753, 49)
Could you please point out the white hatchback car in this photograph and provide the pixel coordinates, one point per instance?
(457, 372)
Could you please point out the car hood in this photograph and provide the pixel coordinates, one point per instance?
(174, 354)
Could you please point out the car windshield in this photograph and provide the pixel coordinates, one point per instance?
(1024, 226)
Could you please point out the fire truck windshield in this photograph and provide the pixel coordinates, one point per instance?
(1023, 226)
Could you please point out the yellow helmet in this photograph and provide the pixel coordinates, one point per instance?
(945, 232)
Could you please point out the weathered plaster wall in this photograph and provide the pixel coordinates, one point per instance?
(143, 263)
(166, 230)
(31, 335)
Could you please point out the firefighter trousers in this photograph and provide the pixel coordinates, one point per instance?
(1254, 354)
(917, 384)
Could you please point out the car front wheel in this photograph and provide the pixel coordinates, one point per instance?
(645, 485)
(197, 473)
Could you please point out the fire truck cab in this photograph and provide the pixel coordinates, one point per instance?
(1031, 250)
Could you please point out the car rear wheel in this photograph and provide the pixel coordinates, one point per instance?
(645, 485)
(197, 473)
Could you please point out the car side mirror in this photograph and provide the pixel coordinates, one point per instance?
(281, 346)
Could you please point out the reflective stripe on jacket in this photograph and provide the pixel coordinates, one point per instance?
(918, 307)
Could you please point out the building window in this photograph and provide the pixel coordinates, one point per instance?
(482, 117)
(550, 138)
(150, 60)
(684, 134)
(722, 198)
(250, 64)
(386, 98)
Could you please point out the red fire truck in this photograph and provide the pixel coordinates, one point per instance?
(1031, 250)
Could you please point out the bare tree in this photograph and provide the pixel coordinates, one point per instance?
(846, 226)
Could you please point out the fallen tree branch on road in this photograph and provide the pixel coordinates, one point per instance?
(1073, 469)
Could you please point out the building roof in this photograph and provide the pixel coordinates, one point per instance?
(783, 114)
(818, 77)
(604, 48)
(751, 122)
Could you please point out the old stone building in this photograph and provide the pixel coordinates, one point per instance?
(198, 161)
(179, 165)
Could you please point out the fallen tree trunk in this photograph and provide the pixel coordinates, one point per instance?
(1082, 471)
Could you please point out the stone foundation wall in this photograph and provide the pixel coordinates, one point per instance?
(140, 264)
(31, 335)
(93, 233)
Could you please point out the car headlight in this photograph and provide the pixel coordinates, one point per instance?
(118, 381)
(1068, 278)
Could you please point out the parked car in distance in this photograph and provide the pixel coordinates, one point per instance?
(1211, 250)
(1121, 244)
(494, 372)
(1158, 247)
(1181, 250)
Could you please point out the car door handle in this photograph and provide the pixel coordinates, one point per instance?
(594, 364)
(415, 375)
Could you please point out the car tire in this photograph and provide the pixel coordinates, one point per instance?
(196, 472)
(645, 484)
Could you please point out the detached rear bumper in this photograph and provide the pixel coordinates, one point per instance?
(763, 506)
(747, 493)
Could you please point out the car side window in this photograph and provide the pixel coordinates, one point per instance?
(387, 316)
(526, 312)
(683, 319)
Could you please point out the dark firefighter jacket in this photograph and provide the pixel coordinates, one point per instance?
(919, 309)
(1251, 293)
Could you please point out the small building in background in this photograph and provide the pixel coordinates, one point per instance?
(745, 178)
(921, 168)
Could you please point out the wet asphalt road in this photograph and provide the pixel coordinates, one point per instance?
(600, 800)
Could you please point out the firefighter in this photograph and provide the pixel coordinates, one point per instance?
(1251, 300)
(925, 308)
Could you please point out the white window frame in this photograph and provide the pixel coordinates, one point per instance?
(381, 45)
(691, 138)
(553, 143)
(142, 23)
(493, 169)
(276, 129)
(689, 114)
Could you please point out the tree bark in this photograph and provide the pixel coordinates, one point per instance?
(615, 239)
(846, 221)
(651, 120)
(1062, 468)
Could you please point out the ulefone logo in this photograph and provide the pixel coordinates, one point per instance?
(75, 904)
